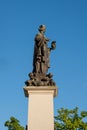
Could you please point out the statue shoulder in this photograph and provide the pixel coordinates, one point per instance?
(38, 37)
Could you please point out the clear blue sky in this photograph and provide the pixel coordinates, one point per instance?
(66, 22)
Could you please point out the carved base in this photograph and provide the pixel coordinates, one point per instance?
(38, 79)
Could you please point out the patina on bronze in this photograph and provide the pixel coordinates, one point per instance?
(39, 75)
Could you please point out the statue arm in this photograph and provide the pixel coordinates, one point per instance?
(39, 39)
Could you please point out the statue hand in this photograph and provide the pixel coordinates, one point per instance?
(53, 45)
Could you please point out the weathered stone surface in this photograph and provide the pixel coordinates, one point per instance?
(41, 61)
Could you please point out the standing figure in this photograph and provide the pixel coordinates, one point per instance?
(39, 75)
(40, 59)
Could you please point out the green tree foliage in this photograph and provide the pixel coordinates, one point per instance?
(13, 124)
(71, 120)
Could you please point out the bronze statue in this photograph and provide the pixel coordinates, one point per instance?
(39, 76)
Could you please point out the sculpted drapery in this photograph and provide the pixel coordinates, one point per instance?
(39, 75)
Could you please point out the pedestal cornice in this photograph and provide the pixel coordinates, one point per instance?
(39, 89)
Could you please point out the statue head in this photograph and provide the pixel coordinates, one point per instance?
(42, 28)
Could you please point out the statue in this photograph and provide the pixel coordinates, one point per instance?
(40, 61)
(39, 76)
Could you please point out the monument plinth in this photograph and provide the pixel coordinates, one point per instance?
(40, 88)
(40, 107)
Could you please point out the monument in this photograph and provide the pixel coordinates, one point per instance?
(41, 88)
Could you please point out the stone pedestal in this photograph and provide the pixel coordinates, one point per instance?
(40, 107)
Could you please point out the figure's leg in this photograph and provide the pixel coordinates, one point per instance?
(37, 67)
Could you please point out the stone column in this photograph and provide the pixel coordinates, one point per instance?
(40, 107)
